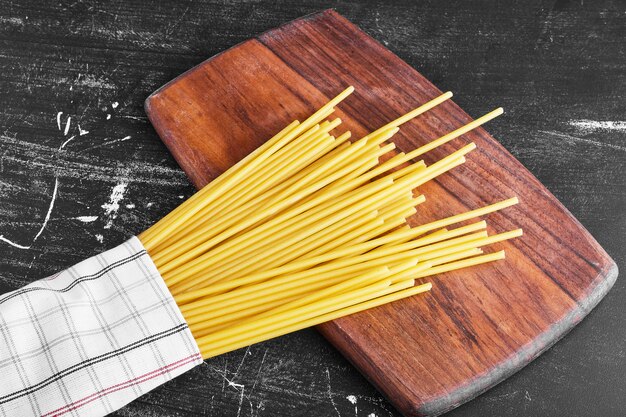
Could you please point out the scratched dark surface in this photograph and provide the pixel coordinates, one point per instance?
(75, 143)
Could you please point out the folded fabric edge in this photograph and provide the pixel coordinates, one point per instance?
(92, 338)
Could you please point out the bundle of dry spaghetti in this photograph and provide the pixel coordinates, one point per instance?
(309, 228)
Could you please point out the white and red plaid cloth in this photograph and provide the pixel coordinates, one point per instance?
(92, 338)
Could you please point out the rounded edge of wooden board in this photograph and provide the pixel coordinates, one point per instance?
(198, 66)
(164, 134)
(525, 355)
(506, 368)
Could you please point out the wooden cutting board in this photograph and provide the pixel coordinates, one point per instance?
(477, 326)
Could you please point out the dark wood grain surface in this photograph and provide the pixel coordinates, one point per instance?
(431, 353)
(557, 68)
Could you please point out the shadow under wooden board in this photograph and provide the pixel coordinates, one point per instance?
(430, 353)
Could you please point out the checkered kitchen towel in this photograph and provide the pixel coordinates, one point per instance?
(89, 340)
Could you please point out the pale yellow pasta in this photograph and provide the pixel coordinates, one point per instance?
(311, 227)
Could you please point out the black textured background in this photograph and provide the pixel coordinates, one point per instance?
(558, 69)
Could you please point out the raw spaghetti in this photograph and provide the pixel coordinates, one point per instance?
(309, 228)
